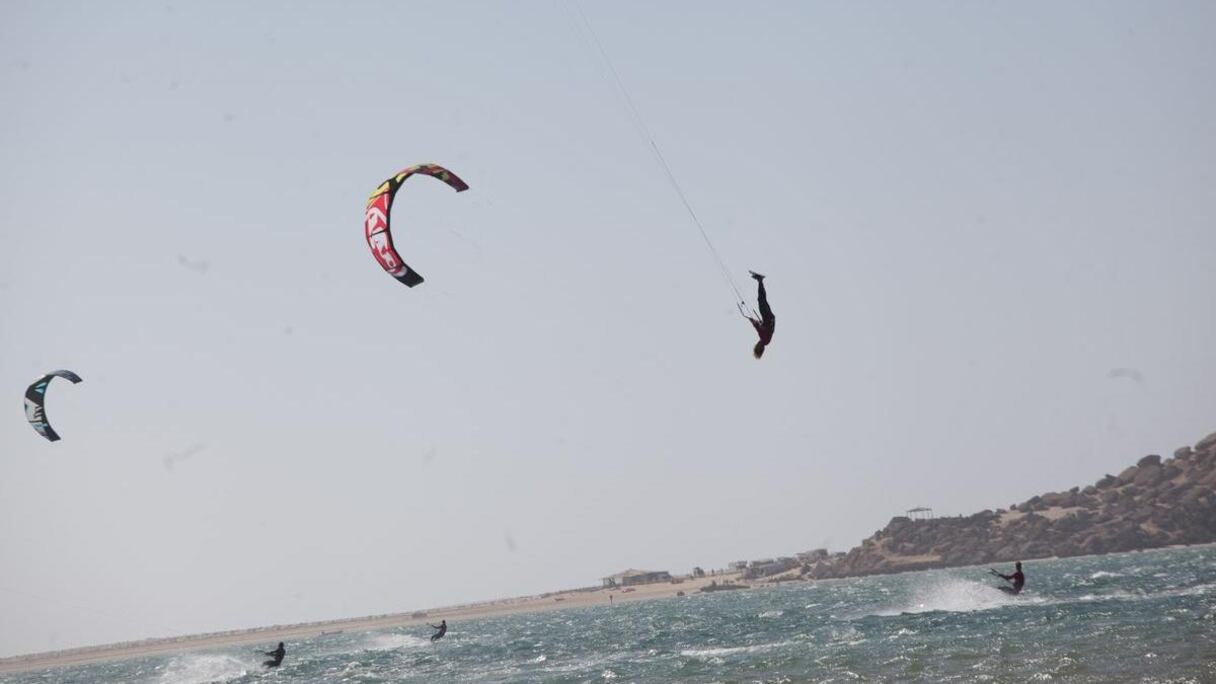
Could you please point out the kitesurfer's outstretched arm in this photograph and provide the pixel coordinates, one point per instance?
(1017, 579)
(756, 323)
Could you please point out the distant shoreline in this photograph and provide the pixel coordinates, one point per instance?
(573, 598)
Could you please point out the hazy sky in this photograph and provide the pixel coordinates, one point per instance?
(970, 213)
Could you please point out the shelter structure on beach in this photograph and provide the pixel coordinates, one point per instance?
(631, 577)
(769, 566)
(813, 555)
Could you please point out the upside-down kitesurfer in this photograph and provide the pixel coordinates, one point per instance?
(767, 323)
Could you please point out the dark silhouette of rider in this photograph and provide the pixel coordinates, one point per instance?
(767, 322)
(1017, 579)
(276, 656)
(443, 629)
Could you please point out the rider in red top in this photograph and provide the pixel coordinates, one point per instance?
(767, 322)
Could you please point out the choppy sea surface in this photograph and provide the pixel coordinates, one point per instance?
(1137, 617)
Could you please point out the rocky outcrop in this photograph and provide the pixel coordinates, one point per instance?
(1151, 504)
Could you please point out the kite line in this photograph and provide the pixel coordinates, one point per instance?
(640, 124)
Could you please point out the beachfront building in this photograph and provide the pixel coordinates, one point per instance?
(632, 577)
(813, 556)
(769, 566)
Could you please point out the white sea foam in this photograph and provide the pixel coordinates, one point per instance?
(771, 614)
(952, 595)
(1103, 573)
(203, 668)
(848, 636)
(1111, 596)
(388, 642)
(1197, 590)
(730, 650)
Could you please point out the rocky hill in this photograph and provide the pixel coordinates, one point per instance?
(1148, 505)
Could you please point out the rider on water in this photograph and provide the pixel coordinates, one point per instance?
(767, 322)
(1017, 579)
(442, 627)
(276, 655)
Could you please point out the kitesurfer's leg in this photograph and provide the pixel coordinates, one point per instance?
(762, 297)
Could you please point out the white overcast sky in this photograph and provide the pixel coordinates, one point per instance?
(970, 214)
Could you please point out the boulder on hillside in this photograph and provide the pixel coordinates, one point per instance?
(1055, 499)
(1107, 482)
(898, 523)
(1151, 459)
(1129, 474)
(1190, 495)
(1161, 489)
(1182, 453)
(1173, 495)
(1148, 475)
(1206, 443)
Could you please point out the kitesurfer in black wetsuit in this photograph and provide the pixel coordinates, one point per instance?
(442, 627)
(276, 656)
(767, 322)
(1017, 579)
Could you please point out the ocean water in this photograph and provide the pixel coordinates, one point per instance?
(1137, 617)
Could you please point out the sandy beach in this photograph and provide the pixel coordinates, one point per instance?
(269, 635)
